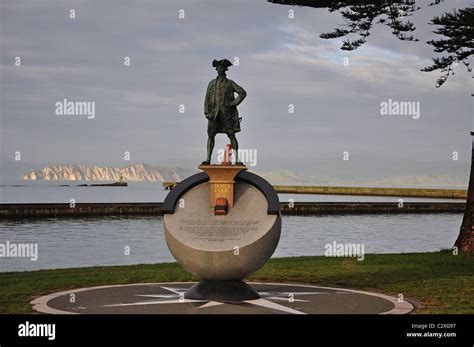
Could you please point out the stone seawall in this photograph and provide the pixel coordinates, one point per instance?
(14, 211)
(403, 192)
(323, 208)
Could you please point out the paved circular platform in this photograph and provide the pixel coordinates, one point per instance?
(168, 298)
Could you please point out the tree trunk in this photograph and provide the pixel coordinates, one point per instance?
(465, 240)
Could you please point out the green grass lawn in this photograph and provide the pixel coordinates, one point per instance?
(441, 282)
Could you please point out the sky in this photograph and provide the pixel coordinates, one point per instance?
(282, 61)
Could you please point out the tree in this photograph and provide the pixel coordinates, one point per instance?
(465, 239)
(359, 17)
(457, 47)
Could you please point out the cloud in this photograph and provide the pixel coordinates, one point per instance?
(282, 62)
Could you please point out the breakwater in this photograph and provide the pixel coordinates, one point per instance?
(364, 191)
(15, 211)
(403, 192)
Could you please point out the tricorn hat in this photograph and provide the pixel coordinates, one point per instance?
(223, 62)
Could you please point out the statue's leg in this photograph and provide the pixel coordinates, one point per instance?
(235, 146)
(211, 133)
(210, 147)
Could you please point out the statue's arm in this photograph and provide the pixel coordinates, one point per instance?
(241, 94)
(206, 100)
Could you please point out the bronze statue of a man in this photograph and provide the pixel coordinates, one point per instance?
(220, 108)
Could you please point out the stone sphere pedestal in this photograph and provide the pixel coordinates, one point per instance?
(222, 249)
(221, 291)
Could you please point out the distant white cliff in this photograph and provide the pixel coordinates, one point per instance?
(130, 173)
(150, 173)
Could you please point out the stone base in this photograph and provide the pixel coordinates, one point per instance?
(221, 179)
(222, 247)
(222, 291)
